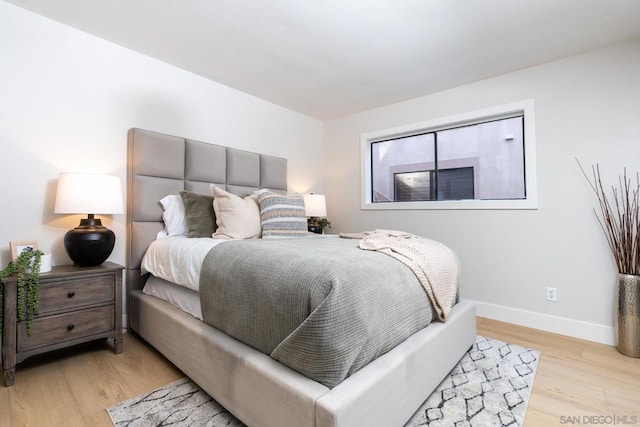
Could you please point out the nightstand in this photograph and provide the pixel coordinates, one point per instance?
(77, 304)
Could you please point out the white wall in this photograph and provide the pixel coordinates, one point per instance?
(587, 107)
(68, 99)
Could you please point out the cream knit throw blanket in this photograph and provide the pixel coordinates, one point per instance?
(433, 263)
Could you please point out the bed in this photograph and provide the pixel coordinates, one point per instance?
(257, 389)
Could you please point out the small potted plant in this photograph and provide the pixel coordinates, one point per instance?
(318, 225)
(26, 267)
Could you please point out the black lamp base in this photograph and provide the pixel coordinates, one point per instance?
(314, 229)
(90, 243)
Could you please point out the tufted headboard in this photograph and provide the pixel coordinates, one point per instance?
(158, 165)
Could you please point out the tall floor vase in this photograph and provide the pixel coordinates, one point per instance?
(628, 327)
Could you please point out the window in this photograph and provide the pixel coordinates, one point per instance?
(452, 184)
(479, 160)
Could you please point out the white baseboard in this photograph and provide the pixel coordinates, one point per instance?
(558, 325)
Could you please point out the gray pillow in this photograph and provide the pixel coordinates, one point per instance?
(201, 220)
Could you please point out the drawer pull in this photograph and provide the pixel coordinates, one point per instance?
(71, 294)
(70, 327)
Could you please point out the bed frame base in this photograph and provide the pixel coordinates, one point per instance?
(262, 392)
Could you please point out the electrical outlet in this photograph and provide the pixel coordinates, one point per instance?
(552, 294)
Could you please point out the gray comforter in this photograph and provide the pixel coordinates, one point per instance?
(319, 305)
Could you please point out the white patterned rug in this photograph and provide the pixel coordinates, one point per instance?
(489, 387)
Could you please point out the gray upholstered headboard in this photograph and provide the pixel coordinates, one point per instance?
(159, 165)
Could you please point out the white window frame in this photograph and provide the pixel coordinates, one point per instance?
(526, 107)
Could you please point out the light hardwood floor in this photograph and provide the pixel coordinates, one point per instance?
(575, 378)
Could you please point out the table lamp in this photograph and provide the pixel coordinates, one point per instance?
(90, 243)
(315, 207)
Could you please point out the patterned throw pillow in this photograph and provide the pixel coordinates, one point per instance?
(281, 216)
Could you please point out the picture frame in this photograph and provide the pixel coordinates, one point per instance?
(17, 247)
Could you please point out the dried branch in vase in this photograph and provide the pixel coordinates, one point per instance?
(619, 218)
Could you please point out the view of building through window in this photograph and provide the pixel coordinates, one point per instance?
(482, 161)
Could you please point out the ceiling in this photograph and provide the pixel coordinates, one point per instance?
(330, 58)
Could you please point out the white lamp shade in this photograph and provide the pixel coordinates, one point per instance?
(84, 193)
(315, 205)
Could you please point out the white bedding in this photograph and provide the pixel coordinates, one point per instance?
(185, 299)
(178, 259)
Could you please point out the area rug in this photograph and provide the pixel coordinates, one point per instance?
(490, 386)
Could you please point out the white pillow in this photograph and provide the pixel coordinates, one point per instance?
(236, 217)
(174, 217)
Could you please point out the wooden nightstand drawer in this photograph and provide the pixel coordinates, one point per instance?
(77, 305)
(66, 327)
(72, 293)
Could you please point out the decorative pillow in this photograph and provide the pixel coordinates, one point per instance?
(174, 217)
(281, 216)
(201, 220)
(236, 217)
